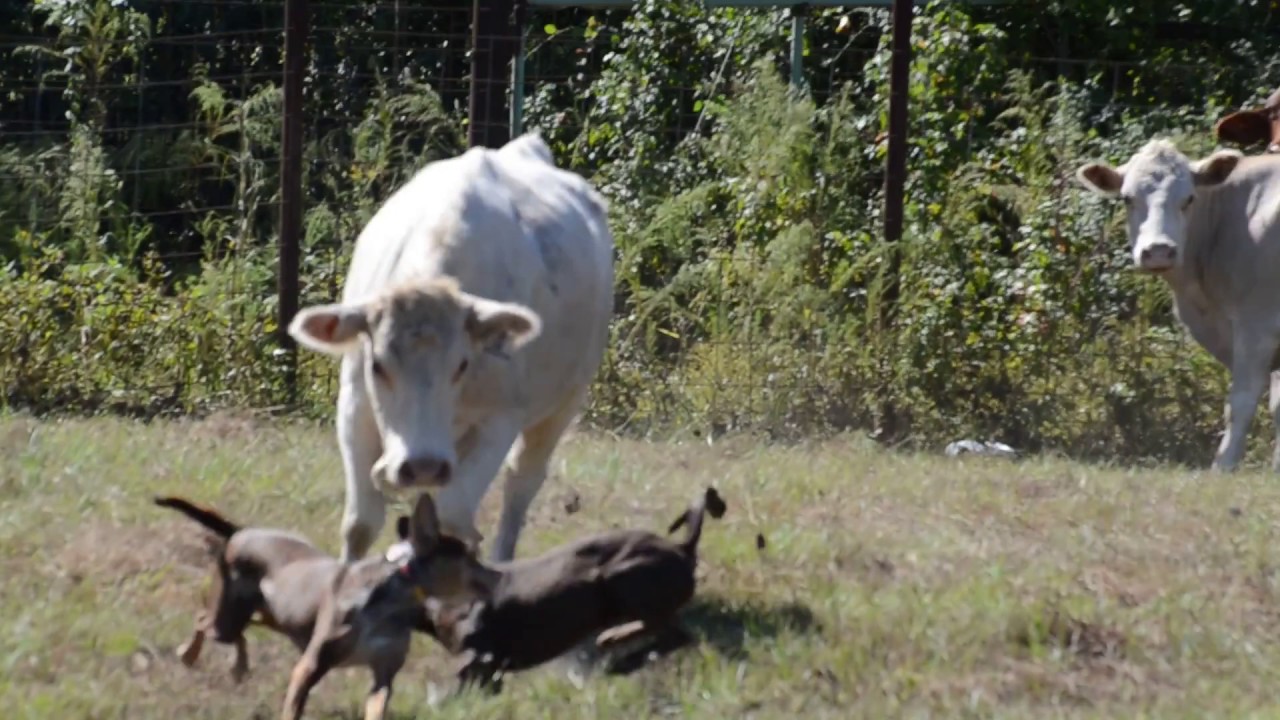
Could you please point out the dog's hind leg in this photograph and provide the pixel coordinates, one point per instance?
(306, 674)
(621, 633)
(629, 648)
(385, 669)
(375, 706)
(581, 660)
(480, 673)
(189, 651)
(240, 668)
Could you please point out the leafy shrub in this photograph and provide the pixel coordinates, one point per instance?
(751, 270)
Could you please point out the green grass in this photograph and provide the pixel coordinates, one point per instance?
(891, 585)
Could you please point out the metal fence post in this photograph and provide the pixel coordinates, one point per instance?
(492, 47)
(798, 14)
(295, 39)
(517, 71)
(899, 89)
(895, 179)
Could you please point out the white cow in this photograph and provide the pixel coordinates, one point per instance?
(474, 317)
(1211, 229)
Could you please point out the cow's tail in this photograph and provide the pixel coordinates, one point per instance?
(207, 517)
(710, 503)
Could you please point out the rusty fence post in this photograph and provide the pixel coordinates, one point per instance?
(493, 46)
(295, 41)
(895, 180)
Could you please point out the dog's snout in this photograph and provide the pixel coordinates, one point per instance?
(424, 471)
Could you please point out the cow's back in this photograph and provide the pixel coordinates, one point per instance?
(1235, 240)
(509, 226)
(402, 237)
(559, 263)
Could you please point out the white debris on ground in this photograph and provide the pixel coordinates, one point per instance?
(963, 447)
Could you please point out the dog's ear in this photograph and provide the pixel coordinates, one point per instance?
(424, 530)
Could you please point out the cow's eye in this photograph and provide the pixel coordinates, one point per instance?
(379, 371)
(1128, 200)
(1187, 204)
(462, 367)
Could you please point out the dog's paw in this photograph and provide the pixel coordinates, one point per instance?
(439, 694)
(240, 668)
(577, 675)
(188, 653)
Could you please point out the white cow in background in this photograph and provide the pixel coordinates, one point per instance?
(473, 319)
(1211, 229)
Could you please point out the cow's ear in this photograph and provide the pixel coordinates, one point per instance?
(331, 329)
(424, 528)
(498, 326)
(1101, 178)
(1216, 168)
(1247, 127)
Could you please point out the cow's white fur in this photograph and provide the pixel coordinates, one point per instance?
(1211, 229)
(530, 255)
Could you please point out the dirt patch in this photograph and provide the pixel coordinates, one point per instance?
(1085, 685)
(1105, 582)
(105, 552)
(867, 568)
(1083, 639)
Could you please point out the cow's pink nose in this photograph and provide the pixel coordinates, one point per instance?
(1158, 256)
(424, 471)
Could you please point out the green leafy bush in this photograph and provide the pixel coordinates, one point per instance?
(751, 269)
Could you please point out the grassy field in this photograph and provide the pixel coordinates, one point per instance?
(890, 585)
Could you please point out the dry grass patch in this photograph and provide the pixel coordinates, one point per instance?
(845, 581)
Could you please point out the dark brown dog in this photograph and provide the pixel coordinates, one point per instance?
(527, 612)
(1253, 126)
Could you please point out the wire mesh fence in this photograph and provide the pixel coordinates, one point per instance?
(141, 141)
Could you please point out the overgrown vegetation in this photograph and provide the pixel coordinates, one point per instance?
(751, 271)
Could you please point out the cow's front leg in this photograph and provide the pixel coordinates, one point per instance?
(481, 453)
(1250, 366)
(527, 470)
(361, 445)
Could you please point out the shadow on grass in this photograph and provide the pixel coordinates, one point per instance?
(722, 624)
(725, 624)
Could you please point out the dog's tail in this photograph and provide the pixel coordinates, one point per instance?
(207, 517)
(710, 502)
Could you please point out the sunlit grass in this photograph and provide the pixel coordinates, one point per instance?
(889, 585)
